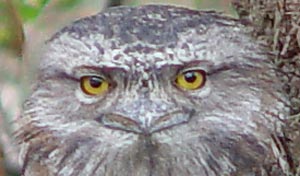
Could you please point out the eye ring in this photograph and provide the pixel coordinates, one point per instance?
(191, 79)
(94, 85)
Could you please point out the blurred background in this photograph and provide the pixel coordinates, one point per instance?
(24, 26)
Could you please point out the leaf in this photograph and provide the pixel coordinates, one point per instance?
(30, 11)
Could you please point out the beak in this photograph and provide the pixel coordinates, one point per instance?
(144, 116)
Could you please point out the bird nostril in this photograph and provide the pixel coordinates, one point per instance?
(116, 121)
(121, 120)
(170, 120)
(162, 119)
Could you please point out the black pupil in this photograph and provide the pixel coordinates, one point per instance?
(190, 77)
(95, 82)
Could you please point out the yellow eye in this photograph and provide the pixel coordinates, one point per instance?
(191, 80)
(93, 85)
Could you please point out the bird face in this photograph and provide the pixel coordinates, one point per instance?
(156, 92)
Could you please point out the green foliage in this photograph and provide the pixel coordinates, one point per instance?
(30, 11)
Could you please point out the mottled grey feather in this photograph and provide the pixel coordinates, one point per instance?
(145, 125)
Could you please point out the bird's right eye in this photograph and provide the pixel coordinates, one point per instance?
(94, 85)
(190, 80)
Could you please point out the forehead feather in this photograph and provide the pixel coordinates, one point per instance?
(151, 24)
(153, 34)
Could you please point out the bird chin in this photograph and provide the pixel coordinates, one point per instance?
(191, 148)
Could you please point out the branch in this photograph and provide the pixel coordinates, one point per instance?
(15, 28)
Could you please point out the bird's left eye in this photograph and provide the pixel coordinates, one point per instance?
(93, 85)
(191, 80)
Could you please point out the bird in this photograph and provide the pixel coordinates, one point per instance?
(155, 90)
